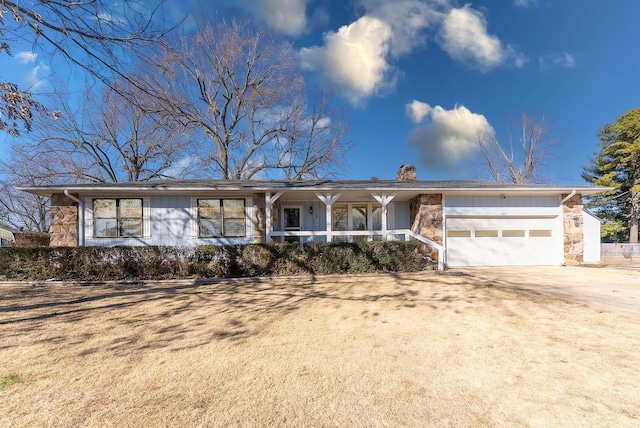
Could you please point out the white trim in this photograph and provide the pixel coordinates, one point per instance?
(328, 201)
(88, 225)
(193, 217)
(269, 200)
(220, 186)
(88, 217)
(146, 217)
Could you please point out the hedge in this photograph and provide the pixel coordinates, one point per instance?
(160, 262)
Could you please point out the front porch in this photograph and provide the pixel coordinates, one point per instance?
(345, 217)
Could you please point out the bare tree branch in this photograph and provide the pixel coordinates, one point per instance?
(93, 35)
(241, 94)
(521, 161)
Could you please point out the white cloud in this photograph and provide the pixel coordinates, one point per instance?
(525, 3)
(25, 57)
(464, 37)
(357, 58)
(450, 136)
(417, 110)
(285, 16)
(354, 59)
(35, 78)
(408, 19)
(564, 60)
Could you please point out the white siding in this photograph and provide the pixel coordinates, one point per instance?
(591, 226)
(530, 206)
(169, 220)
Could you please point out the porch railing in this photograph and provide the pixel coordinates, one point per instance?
(393, 235)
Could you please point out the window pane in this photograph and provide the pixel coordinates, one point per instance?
(359, 217)
(486, 233)
(130, 227)
(209, 208)
(458, 233)
(513, 233)
(105, 228)
(210, 227)
(291, 218)
(233, 208)
(104, 208)
(131, 208)
(234, 227)
(376, 213)
(539, 233)
(339, 217)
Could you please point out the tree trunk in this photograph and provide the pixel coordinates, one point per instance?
(633, 220)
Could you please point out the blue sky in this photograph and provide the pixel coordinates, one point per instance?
(418, 79)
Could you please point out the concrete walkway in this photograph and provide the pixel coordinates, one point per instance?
(611, 289)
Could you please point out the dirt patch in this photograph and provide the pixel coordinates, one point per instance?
(393, 350)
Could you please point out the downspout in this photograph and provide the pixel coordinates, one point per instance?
(80, 216)
(569, 196)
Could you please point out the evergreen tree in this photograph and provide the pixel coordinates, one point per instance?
(617, 165)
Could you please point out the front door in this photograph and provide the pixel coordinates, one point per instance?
(291, 222)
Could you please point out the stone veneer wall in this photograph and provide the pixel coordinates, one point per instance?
(64, 222)
(573, 230)
(426, 219)
(259, 216)
(275, 219)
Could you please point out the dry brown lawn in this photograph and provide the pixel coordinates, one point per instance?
(392, 350)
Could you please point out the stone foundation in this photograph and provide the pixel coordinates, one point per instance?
(426, 219)
(64, 222)
(573, 230)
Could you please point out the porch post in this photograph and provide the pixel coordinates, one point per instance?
(384, 200)
(268, 202)
(328, 201)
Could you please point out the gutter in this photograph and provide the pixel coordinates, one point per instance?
(80, 216)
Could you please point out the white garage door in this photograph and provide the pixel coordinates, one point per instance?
(501, 242)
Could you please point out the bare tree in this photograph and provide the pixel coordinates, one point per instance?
(108, 140)
(521, 160)
(20, 209)
(241, 94)
(92, 35)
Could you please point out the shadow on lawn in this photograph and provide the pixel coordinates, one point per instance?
(191, 314)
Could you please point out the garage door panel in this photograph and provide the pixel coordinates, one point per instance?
(500, 241)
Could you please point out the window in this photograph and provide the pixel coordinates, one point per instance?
(114, 218)
(486, 233)
(456, 233)
(513, 233)
(539, 233)
(355, 217)
(221, 217)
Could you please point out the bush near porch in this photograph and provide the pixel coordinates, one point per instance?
(155, 262)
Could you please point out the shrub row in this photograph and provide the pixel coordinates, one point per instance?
(135, 263)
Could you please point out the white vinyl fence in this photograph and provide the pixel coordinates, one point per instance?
(620, 254)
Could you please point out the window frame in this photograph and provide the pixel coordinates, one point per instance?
(370, 227)
(222, 217)
(119, 219)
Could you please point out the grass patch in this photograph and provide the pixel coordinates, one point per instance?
(182, 297)
(10, 379)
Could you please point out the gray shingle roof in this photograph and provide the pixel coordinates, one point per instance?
(307, 185)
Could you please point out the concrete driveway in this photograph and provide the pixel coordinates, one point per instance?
(610, 289)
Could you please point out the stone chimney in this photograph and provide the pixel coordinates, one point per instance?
(407, 173)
